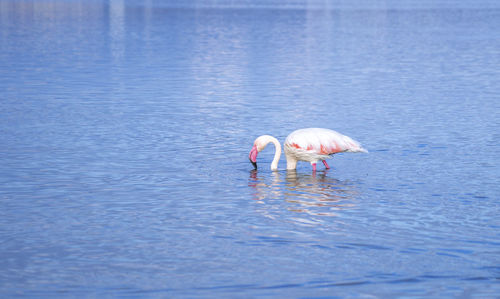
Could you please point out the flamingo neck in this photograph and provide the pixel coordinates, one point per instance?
(277, 154)
(266, 139)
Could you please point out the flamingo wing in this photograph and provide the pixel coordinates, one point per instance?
(321, 142)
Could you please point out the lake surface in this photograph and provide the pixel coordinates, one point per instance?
(125, 128)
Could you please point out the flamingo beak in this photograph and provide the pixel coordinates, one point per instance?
(253, 156)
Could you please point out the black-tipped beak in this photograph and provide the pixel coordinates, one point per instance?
(253, 156)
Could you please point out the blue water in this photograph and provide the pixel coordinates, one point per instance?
(125, 128)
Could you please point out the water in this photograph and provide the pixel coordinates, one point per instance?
(125, 128)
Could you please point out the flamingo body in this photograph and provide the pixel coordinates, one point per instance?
(311, 145)
(316, 144)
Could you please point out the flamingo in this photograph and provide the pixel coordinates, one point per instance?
(311, 145)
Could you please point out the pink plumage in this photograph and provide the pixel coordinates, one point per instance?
(316, 141)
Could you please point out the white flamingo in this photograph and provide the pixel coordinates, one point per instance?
(311, 145)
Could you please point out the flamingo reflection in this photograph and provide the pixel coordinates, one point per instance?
(314, 194)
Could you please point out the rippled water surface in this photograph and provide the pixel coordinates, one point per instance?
(125, 128)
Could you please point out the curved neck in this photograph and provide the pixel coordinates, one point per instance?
(277, 153)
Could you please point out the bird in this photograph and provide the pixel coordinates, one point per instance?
(310, 145)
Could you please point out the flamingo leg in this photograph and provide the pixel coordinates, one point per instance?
(326, 164)
(314, 166)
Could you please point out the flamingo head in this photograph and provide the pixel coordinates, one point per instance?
(259, 144)
(253, 156)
